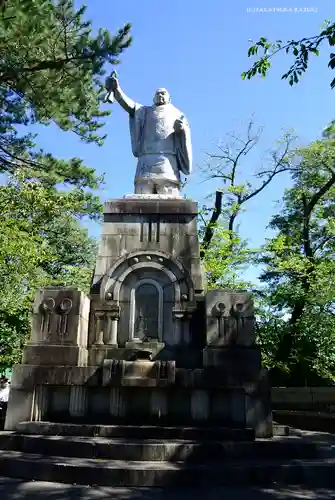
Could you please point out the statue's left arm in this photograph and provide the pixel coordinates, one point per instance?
(183, 145)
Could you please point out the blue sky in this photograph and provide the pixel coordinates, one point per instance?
(197, 50)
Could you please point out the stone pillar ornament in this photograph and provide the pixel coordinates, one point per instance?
(78, 401)
(178, 317)
(47, 308)
(99, 328)
(112, 325)
(64, 308)
(182, 319)
(220, 312)
(40, 406)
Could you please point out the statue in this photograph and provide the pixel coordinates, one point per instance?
(160, 139)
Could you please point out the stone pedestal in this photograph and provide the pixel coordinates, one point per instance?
(59, 338)
(149, 252)
(149, 346)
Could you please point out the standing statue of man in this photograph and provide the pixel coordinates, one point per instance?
(160, 139)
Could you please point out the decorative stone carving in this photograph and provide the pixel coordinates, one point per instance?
(178, 275)
(113, 369)
(105, 324)
(229, 318)
(78, 401)
(99, 327)
(60, 317)
(116, 402)
(182, 317)
(40, 404)
(147, 285)
(138, 373)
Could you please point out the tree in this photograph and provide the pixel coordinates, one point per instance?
(300, 266)
(41, 243)
(225, 254)
(300, 49)
(51, 70)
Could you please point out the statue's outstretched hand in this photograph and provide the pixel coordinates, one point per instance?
(112, 83)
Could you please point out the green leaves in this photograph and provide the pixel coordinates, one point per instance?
(41, 243)
(300, 267)
(300, 49)
(52, 70)
(295, 307)
(226, 259)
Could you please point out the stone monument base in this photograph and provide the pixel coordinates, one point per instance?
(150, 345)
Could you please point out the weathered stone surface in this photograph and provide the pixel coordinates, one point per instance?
(230, 318)
(236, 360)
(26, 377)
(149, 206)
(258, 406)
(55, 355)
(159, 450)
(20, 407)
(148, 346)
(60, 317)
(138, 373)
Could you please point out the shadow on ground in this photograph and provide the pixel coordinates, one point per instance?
(18, 490)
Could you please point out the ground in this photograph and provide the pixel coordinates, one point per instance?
(34, 490)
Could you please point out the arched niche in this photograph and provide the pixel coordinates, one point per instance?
(114, 278)
(153, 271)
(146, 310)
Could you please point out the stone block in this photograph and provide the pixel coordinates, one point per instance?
(97, 354)
(258, 406)
(285, 397)
(236, 359)
(229, 318)
(138, 373)
(54, 355)
(151, 206)
(60, 317)
(20, 408)
(26, 377)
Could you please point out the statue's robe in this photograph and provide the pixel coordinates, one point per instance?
(162, 154)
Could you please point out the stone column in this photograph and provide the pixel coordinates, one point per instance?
(78, 401)
(99, 331)
(112, 323)
(199, 405)
(187, 327)
(41, 402)
(116, 403)
(158, 403)
(178, 317)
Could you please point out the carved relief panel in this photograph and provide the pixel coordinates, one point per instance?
(60, 316)
(229, 318)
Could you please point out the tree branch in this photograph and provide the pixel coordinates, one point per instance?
(209, 232)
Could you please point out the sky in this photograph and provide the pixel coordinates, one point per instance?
(197, 50)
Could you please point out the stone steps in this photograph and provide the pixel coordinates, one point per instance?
(138, 456)
(158, 450)
(137, 432)
(313, 473)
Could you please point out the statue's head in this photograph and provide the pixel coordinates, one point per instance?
(161, 97)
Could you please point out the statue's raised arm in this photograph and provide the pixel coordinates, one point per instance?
(160, 140)
(112, 85)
